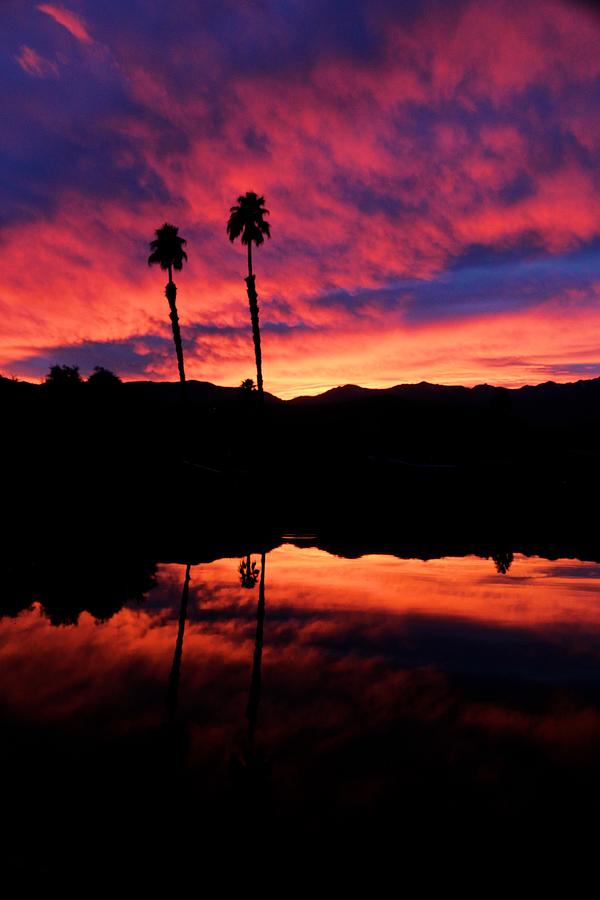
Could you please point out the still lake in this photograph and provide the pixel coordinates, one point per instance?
(358, 695)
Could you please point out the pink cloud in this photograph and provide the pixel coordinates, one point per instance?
(69, 20)
(380, 172)
(34, 64)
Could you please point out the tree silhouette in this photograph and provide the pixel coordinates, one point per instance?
(63, 376)
(168, 253)
(247, 385)
(103, 378)
(247, 219)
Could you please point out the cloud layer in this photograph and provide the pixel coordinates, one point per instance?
(432, 175)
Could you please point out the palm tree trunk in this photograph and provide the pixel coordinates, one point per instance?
(173, 690)
(253, 301)
(254, 694)
(171, 295)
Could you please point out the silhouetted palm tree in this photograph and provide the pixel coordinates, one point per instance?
(247, 219)
(168, 253)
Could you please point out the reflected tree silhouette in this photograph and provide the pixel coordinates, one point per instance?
(248, 573)
(503, 560)
(174, 676)
(255, 681)
(68, 584)
(251, 771)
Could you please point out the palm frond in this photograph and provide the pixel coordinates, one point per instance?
(167, 248)
(247, 219)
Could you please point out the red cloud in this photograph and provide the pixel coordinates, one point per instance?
(69, 20)
(34, 64)
(380, 172)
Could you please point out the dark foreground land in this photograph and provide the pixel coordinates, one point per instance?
(102, 488)
(407, 464)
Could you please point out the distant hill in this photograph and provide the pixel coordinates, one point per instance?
(549, 402)
(203, 392)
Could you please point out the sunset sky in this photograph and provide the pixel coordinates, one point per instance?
(431, 168)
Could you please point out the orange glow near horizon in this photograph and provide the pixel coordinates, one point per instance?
(356, 623)
(434, 207)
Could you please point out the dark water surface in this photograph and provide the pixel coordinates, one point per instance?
(365, 718)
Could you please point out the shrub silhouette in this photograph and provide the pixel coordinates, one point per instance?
(63, 376)
(103, 379)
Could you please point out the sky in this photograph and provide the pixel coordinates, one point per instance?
(431, 170)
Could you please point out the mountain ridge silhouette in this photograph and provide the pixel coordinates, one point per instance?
(348, 391)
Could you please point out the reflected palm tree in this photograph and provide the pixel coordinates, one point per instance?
(248, 573)
(255, 681)
(174, 676)
(252, 770)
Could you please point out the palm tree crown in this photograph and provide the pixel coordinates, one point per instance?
(168, 253)
(167, 248)
(247, 219)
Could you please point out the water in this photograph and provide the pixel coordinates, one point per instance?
(376, 698)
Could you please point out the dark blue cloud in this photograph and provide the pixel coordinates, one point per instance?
(483, 280)
(141, 355)
(134, 357)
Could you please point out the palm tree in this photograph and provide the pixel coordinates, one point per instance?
(247, 219)
(168, 253)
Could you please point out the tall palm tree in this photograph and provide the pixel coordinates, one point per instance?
(247, 219)
(168, 253)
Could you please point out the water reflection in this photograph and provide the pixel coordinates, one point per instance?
(251, 769)
(173, 691)
(248, 573)
(376, 684)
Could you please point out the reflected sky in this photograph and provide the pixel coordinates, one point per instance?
(438, 687)
(358, 625)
